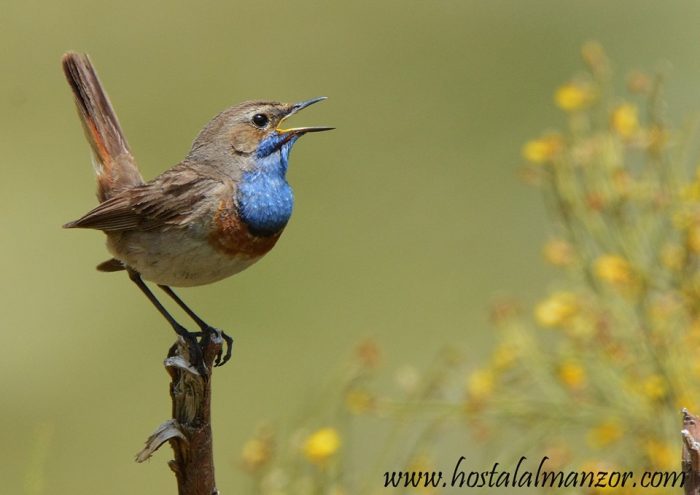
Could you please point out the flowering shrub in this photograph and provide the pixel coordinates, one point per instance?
(596, 371)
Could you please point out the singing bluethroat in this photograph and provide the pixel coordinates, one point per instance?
(210, 216)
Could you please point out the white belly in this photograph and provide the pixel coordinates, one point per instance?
(175, 258)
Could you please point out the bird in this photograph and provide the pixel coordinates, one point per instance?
(214, 214)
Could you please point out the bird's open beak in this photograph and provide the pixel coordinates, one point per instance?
(298, 131)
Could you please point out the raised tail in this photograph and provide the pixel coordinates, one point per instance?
(115, 166)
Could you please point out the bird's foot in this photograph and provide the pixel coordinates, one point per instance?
(228, 343)
(207, 334)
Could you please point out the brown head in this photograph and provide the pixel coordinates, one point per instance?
(249, 128)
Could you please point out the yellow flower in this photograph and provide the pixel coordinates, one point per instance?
(613, 269)
(662, 455)
(691, 192)
(543, 149)
(657, 139)
(504, 356)
(572, 375)
(407, 378)
(321, 445)
(692, 336)
(422, 463)
(596, 201)
(639, 83)
(605, 433)
(687, 400)
(559, 453)
(625, 120)
(573, 96)
(682, 219)
(503, 311)
(654, 387)
(622, 182)
(557, 310)
(694, 327)
(368, 354)
(256, 453)
(692, 239)
(359, 401)
(258, 450)
(480, 384)
(662, 308)
(584, 327)
(672, 256)
(558, 252)
(594, 56)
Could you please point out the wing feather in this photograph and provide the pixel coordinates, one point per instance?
(170, 199)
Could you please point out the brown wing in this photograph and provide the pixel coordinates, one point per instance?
(171, 199)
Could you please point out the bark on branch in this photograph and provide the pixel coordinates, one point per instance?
(189, 431)
(691, 453)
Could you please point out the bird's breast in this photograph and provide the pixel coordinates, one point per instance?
(265, 200)
(233, 237)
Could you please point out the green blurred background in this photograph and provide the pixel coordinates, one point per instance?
(409, 218)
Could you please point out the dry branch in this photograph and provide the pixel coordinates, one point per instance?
(691, 453)
(189, 431)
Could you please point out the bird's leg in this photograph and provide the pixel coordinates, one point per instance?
(195, 351)
(207, 330)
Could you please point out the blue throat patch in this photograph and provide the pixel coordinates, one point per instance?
(265, 199)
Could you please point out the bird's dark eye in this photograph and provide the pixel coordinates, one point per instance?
(260, 119)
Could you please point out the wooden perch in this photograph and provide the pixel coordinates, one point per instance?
(189, 431)
(691, 453)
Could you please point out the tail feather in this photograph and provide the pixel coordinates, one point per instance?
(113, 265)
(114, 164)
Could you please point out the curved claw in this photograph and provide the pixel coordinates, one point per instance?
(229, 349)
(210, 332)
